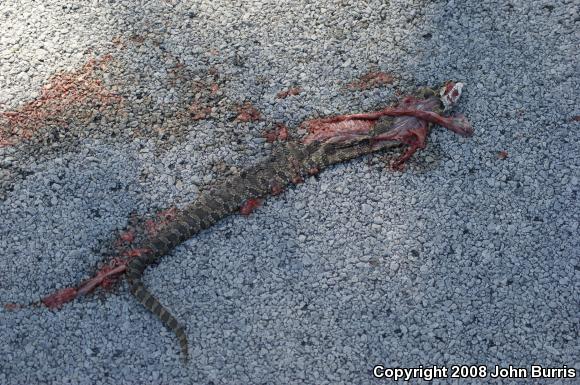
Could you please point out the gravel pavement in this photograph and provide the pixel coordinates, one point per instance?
(117, 109)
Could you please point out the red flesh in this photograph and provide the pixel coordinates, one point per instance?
(57, 299)
(449, 87)
(321, 129)
(105, 278)
(457, 123)
(127, 236)
(249, 206)
(411, 131)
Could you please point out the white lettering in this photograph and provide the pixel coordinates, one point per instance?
(379, 371)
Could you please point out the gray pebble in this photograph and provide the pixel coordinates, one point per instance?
(462, 258)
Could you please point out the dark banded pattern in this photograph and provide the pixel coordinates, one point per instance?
(154, 306)
(290, 162)
(208, 209)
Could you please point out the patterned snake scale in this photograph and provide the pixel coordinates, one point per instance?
(286, 166)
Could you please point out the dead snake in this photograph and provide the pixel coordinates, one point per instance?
(331, 141)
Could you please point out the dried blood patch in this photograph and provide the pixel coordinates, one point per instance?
(271, 136)
(282, 132)
(205, 95)
(371, 80)
(289, 92)
(137, 39)
(279, 133)
(247, 113)
(12, 306)
(59, 101)
(502, 155)
(199, 111)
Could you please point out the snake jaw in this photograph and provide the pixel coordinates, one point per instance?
(450, 94)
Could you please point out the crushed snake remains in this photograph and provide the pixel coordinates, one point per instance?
(329, 141)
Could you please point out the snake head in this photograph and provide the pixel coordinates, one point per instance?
(450, 94)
